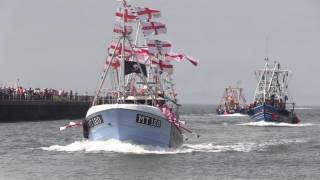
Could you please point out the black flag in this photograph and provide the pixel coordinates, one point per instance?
(133, 67)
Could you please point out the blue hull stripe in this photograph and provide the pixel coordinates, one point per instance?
(265, 113)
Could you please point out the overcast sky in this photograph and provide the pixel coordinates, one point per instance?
(62, 43)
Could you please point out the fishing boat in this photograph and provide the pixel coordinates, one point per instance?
(136, 99)
(232, 103)
(272, 102)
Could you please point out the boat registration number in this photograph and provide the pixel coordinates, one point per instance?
(94, 121)
(143, 119)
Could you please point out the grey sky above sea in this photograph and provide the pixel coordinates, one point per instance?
(62, 44)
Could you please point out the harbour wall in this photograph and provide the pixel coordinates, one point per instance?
(17, 110)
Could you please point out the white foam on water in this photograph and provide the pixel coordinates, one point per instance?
(115, 146)
(209, 147)
(233, 115)
(275, 124)
(112, 146)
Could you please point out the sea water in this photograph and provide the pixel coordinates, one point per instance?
(228, 148)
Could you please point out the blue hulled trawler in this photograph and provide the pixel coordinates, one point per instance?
(271, 98)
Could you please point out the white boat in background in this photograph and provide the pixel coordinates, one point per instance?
(139, 104)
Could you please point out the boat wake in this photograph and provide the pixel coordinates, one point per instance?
(233, 115)
(115, 146)
(275, 124)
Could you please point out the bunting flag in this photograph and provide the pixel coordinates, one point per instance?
(133, 67)
(163, 66)
(153, 28)
(147, 13)
(142, 54)
(128, 14)
(180, 57)
(113, 48)
(72, 125)
(174, 57)
(125, 31)
(144, 51)
(158, 47)
(115, 63)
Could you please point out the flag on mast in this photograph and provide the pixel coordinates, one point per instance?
(118, 29)
(180, 57)
(174, 57)
(153, 28)
(115, 62)
(142, 54)
(127, 14)
(116, 48)
(162, 65)
(147, 13)
(133, 67)
(158, 47)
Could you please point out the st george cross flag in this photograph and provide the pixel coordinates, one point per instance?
(127, 14)
(127, 30)
(142, 54)
(133, 67)
(117, 49)
(162, 65)
(115, 63)
(153, 28)
(158, 47)
(147, 13)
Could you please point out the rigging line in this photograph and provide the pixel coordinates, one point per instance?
(142, 77)
(104, 76)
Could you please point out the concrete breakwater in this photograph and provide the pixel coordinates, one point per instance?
(13, 110)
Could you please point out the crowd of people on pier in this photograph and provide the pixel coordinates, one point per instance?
(20, 93)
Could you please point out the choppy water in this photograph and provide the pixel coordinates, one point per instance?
(229, 148)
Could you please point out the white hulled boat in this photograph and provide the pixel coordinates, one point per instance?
(139, 104)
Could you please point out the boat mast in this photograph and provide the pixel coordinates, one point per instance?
(261, 87)
(122, 63)
(104, 75)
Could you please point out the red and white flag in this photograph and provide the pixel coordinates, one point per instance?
(72, 125)
(127, 14)
(117, 49)
(147, 13)
(174, 57)
(180, 57)
(142, 54)
(115, 63)
(158, 47)
(153, 28)
(162, 65)
(119, 29)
